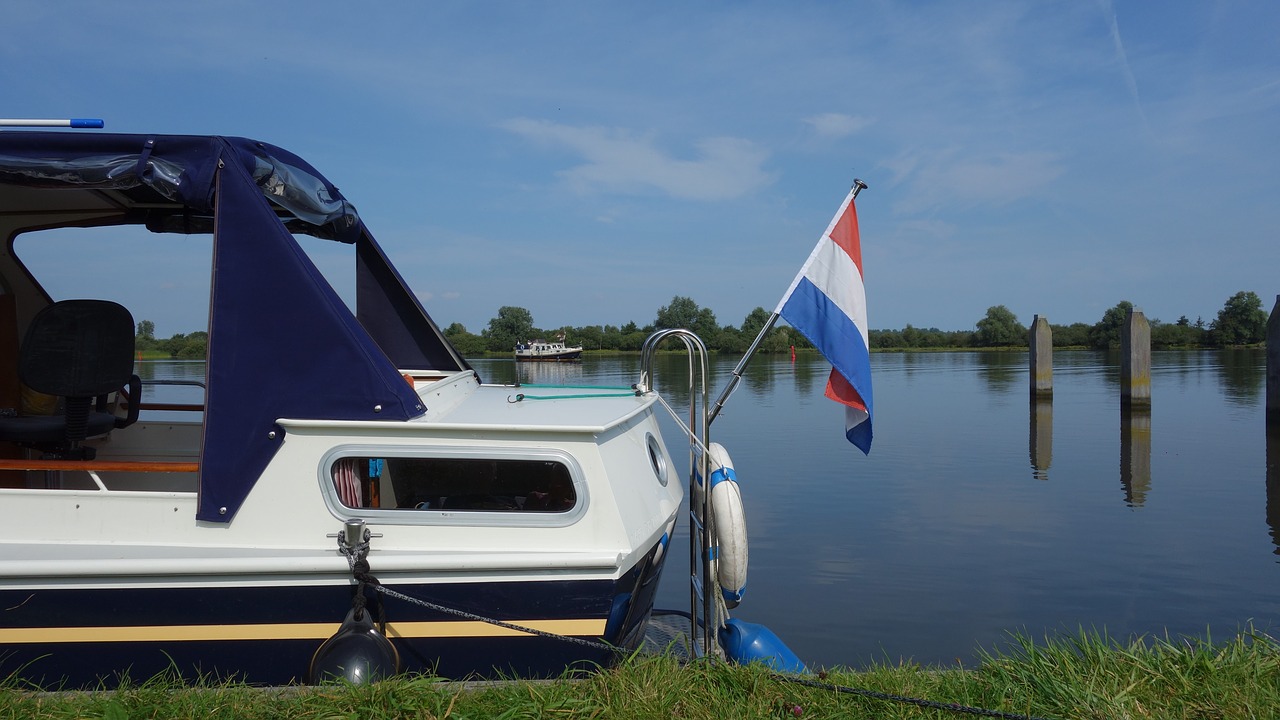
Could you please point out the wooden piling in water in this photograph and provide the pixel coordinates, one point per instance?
(1135, 360)
(1040, 341)
(1273, 365)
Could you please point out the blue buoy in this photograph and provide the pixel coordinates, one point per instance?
(357, 653)
(745, 643)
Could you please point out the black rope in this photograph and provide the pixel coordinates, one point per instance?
(510, 626)
(364, 579)
(360, 569)
(357, 558)
(795, 680)
(889, 697)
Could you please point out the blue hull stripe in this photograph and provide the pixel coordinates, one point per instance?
(266, 635)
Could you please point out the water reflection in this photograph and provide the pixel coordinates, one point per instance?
(1041, 441)
(1135, 454)
(496, 372)
(550, 373)
(1002, 370)
(758, 378)
(1243, 374)
(805, 370)
(153, 372)
(170, 369)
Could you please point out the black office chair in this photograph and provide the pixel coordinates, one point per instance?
(81, 351)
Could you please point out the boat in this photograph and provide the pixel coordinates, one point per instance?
(547, 351)
(347, 498)
(347, 474)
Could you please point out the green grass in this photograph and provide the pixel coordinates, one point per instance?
(1083, 676)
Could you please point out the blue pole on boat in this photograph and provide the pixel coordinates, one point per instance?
(67, 122)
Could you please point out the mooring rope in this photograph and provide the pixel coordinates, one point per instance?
(493, 621)
(792, 679)
(890, 697)
(357, 558)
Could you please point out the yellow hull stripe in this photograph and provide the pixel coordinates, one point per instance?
(288, 631)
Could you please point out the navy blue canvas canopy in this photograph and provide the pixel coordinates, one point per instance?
(282, 344)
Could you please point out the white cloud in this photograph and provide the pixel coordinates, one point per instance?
(946, 179)
(618, 161)
(837, 125)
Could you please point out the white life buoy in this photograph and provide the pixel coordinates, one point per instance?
(729, 552)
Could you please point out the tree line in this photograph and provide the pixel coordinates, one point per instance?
(515, 325)
(190, 346)
(1241, 321)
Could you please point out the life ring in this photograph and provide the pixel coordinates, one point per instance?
(730, 549)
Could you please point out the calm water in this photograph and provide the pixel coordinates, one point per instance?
(978, 513)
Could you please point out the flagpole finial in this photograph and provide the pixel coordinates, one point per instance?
(858, 186)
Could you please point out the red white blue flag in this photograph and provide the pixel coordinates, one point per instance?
(827, 303)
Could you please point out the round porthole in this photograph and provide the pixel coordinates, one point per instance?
(657, 460)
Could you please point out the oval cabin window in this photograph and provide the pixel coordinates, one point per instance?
(454, 484)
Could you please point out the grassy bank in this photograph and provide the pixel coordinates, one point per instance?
(1081, 677)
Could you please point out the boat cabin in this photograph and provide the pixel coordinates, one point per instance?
(202, 533)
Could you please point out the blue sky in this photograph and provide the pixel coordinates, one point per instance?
(589, 161)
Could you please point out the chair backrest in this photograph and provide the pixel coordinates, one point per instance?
(78, 349)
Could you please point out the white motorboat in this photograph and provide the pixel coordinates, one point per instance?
(547, 351)
(340, 460)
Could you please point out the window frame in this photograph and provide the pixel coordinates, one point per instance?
(446, 517)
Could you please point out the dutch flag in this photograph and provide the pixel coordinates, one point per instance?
(827, 303)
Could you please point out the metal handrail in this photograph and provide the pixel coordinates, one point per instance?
(700, 518)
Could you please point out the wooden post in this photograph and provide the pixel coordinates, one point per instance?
(1135, 360)
(1041, 344)
(1273, 365)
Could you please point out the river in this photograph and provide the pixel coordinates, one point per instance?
(979, 513)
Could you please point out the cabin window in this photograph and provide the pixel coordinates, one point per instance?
(413, 488)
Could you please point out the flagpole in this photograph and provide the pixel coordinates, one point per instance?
(732, 384)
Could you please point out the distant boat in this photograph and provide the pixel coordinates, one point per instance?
(541, 350)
